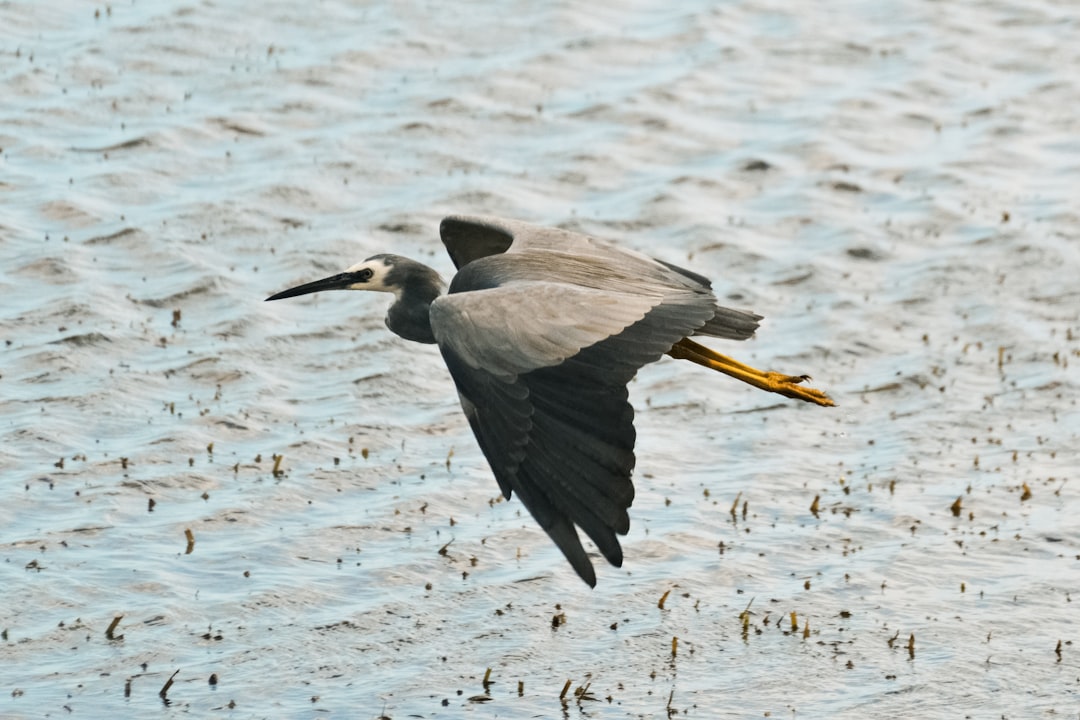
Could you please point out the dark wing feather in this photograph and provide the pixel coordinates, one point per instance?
(470, 238)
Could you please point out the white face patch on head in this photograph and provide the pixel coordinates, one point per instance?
(379, 269)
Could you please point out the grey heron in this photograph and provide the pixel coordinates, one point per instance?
(541, 330)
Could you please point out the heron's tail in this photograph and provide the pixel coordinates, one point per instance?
(730, 324)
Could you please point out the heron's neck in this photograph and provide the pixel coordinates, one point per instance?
(409, 316)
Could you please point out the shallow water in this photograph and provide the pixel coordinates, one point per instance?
(893, 185)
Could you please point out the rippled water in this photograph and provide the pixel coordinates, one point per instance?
(893, 185)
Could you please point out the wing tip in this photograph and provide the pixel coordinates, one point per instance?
(470, 237)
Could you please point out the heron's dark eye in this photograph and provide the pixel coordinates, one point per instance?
(363, 275)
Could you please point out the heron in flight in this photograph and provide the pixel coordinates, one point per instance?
(541, 330)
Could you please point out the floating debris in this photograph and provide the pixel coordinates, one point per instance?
(112, 627)
(663, 599)
(744, 618)
(582, 692)
(164, 692)
(190, 541)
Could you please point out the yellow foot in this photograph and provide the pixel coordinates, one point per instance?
(789, 386)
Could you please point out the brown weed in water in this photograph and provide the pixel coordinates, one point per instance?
(164, 692)
(112, 627)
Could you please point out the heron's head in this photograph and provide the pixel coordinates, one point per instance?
(382, 273)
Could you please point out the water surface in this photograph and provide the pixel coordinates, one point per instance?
(893, 185)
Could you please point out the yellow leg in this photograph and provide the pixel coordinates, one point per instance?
(786, 385)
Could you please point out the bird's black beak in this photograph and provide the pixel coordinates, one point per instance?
(341, 281)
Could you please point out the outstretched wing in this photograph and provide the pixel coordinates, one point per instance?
(541, 346)
(471, 238)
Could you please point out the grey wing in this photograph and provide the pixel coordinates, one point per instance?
(469, 238)
(553, 419)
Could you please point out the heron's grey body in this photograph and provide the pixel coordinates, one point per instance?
(541, 330)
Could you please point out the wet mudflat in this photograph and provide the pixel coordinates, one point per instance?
(283, 504)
